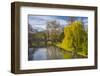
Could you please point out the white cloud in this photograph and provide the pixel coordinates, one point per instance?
(40, 21)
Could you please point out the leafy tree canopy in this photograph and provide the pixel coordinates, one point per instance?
(75, 38)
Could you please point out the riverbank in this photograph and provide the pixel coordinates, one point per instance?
(81, 53)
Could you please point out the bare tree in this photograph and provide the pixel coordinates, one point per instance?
(53, 30)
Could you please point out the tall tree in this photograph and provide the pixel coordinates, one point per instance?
(53, 29)
(75, 38)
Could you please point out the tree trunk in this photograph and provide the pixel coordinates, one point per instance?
(74, 54)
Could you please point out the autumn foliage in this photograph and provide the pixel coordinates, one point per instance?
(75, 39)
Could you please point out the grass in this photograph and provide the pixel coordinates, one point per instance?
(82, 53)
(67, 56)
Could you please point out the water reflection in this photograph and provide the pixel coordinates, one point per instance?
(40, 54)
(46, 53)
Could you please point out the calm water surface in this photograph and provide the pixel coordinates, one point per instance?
(45, 53)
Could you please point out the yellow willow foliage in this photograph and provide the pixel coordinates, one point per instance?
(75, 37)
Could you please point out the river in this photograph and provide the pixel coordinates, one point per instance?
(46, 53)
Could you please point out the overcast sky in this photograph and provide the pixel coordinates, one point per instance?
(39, 22)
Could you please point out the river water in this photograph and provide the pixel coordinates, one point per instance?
(45, 53)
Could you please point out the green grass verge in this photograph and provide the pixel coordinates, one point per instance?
(67, 56)
(83, 53)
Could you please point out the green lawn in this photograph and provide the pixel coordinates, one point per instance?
(67, 56)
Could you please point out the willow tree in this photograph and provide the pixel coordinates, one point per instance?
(75, 38)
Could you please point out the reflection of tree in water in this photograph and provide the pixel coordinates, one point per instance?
(54, 52)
